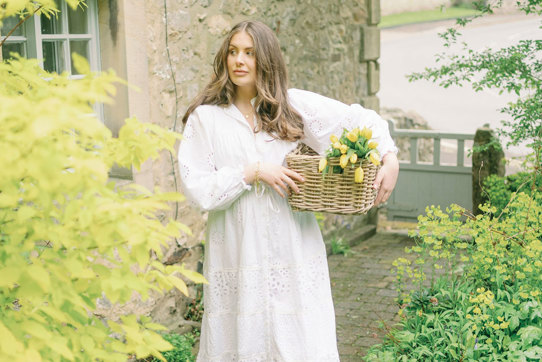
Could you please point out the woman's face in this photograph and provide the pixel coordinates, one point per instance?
(242, 61)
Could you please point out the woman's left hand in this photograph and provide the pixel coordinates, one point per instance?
(386, 178)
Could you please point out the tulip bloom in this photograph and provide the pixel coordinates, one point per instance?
(358, 175)
(343, 161)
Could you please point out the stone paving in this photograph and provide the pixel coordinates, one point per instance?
(363, 293)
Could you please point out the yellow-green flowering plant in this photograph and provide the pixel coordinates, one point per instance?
(470, 289)
(68, 234)
(352, 147)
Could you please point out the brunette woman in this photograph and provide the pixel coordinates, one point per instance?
(269, 296)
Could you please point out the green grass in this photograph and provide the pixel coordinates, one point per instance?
(425, 16)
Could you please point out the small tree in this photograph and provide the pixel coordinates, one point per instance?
(515, 69)
(68, 236)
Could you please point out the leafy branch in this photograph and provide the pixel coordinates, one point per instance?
(515, 69)
(21, 21)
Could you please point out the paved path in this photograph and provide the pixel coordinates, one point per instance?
(363, 293)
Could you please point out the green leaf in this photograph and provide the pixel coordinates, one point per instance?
(157, 342)
(530, 334)
(9, 275)
(178, 283)
(155, 326)
(405, 336)
(59, 345)
(80, 64)
(9, 345)
(514, 322)
(194, 276)
(534, 352)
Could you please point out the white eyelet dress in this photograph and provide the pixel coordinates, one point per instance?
(269, 296)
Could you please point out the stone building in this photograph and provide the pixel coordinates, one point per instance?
(165, 49)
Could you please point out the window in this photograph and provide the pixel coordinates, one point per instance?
(54, 39)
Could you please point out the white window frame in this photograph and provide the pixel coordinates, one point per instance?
(34, 41)
(34, 38)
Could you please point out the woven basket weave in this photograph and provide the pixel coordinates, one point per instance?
(336, 193)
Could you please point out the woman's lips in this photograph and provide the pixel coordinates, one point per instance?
(240, 72)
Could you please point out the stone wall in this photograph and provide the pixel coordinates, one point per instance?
(330, 47)
(320, 40)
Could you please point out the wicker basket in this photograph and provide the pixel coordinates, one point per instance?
(336, 193)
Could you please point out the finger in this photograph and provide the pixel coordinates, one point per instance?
(379, 197)
(285, 187)
(291, 183)
(378, 180)
(387, 194)
(292, 174)
(386, 197)
(278, 190)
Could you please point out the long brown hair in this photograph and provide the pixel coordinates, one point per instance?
(276, 115)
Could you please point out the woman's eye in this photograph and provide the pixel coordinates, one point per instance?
(250, 53)
(233, 52)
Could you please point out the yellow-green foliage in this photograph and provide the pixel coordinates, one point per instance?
(67, 234)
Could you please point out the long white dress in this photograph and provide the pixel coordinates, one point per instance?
(269, 296)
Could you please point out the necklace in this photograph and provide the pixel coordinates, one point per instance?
(250, 113)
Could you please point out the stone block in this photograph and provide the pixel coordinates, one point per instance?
(370, 43)
(371, 102)
(373, 77)
(374, 12)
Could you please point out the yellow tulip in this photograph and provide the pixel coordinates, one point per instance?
(344, 148)
(353, 158)
(343, 161)
(322, 164)
(356, 131)
(337, 145)
(352, 136)
(374, 158)
(367, 133)
(358, 175)
(333, 138)
(373, 145)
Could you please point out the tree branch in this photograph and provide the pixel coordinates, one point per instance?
(19, 24)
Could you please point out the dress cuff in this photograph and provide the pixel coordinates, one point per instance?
(245, 186)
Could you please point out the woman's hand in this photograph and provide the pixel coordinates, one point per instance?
(276, 176)
(386, 178)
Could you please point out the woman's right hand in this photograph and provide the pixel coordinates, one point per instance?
(277, 177)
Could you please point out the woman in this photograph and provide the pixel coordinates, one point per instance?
(269, 295)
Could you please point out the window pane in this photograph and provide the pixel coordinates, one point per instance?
(80, 47)
(8, 24)
(50, 25)
(53, 56)
(77, 20)
(8, 48)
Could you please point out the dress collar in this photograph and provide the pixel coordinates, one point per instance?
(235, 113)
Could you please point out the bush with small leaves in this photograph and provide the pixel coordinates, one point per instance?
(472, 300)
(68, 235)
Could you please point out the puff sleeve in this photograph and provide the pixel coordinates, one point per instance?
(324, 116)
(202, 182)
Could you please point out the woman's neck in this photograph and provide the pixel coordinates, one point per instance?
(244, 95)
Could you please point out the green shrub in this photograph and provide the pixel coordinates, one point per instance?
(182, 348)
(499, 190)
(339, 247)
(473, 300)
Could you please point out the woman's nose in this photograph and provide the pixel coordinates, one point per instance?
(240, 58)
